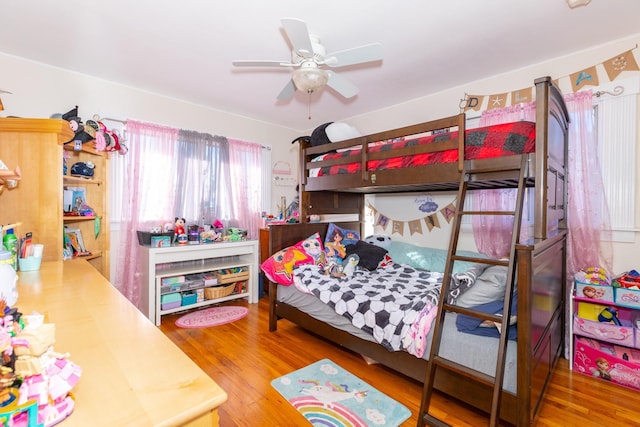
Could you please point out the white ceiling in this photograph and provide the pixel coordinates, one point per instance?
(184, 49)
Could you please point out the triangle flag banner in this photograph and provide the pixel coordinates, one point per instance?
(586, 77)
(448, 212)
(432, 222)
(619, 63)
(415, 227)
(382, 221)
(522, 96)
(473, 102)
(497, 101)
(398, 227)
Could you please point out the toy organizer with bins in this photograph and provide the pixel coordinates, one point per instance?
(177, 278)
(606, 333)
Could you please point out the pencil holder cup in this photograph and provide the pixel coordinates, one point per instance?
(30, 263)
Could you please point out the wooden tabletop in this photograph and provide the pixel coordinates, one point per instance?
(132, 374)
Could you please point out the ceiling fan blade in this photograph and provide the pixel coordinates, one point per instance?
(356, 55)
(260, 63)
(298, 34)
(342, 85)
(287, 92)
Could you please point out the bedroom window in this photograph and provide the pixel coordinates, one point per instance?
(616, 121)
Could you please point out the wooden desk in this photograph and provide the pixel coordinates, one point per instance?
(132, 374)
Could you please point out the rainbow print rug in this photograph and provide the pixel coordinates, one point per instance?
(327, 395)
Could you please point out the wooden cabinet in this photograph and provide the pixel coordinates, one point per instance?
(36, 145)
(171, 261)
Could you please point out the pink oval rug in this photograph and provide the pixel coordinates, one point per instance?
(212, 316)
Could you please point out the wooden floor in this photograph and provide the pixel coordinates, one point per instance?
(243, 357)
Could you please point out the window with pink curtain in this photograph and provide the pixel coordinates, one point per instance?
(492, 233)
(171, 172)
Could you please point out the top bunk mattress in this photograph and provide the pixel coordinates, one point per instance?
(480, 143)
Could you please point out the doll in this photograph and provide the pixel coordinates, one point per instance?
(179, 226)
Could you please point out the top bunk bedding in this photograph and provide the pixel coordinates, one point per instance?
(431, 156)
(505, 139)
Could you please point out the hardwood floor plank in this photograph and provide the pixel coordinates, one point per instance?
(243, 357)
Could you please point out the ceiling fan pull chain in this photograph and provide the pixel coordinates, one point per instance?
(309, 92)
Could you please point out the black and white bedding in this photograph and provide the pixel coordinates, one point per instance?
(396, 304)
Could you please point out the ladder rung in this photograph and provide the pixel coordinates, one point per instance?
(510, 213)
(474, 313)
(489, 261)
(464, 370)
(433, 421)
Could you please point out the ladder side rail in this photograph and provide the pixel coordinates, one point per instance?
(506, 312)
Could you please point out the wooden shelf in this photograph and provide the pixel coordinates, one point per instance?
(76, 180)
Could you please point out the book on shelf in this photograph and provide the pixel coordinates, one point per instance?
(73, 240)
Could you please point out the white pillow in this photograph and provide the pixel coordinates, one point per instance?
(488, 287)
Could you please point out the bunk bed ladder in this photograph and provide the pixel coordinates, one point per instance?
(470, 176)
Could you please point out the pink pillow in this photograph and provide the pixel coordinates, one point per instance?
(313, 247)
(279, 267)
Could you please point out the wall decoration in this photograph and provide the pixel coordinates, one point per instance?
(415, 225)
(609, 70)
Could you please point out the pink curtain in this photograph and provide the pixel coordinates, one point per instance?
(245, 168)
(492, 233)
(147, 196)
(588, 215)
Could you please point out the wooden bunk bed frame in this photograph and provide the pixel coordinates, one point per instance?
(541, 261)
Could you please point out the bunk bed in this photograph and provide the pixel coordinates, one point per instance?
(541, 260)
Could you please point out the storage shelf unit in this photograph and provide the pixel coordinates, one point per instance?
(607, 350)
(37, 202)
(158, 263)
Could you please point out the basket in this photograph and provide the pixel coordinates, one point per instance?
(225, 277)
(216, 292)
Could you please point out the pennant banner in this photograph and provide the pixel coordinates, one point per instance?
(590, 76)
(415, 225)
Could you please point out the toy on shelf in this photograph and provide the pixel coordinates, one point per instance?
(608, 315)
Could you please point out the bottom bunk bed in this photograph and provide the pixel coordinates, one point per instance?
(530, 358)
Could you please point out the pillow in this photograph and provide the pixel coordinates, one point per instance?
(381, 240)
(279, 267)
(313, 247)
(336, 241)
(488, 287)
(430, 259)
(370, 255)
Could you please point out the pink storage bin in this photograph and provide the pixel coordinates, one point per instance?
(621, 335)
(608, 362)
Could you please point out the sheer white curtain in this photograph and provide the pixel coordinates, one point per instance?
(492, 233)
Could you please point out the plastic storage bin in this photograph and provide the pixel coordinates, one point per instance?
(29, 263)
(169, 301)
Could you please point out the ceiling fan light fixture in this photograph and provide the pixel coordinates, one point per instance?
(310, 79)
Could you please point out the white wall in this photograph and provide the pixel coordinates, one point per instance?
(40, 90)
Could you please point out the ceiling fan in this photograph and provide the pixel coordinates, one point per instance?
(309, 58)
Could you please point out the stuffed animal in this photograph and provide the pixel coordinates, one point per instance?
(80, 133)
(179, 226)
(328, 133)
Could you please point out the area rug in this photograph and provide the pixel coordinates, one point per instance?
(212, 316)
(328, 395)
